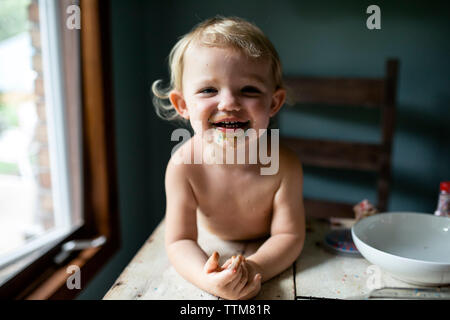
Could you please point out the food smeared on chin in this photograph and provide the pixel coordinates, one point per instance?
(227, 129)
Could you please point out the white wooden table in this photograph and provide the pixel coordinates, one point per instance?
(317, 273)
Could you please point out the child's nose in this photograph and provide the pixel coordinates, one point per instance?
(228, 102)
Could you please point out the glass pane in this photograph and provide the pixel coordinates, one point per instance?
(35, 192)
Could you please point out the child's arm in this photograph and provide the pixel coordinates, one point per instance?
(188, 259)
(288, 223)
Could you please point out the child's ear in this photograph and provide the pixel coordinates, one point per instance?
(177, 100)
(278, 99)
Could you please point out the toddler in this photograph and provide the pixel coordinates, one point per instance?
(226, 81)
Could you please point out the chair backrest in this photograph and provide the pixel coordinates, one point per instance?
(365, 92)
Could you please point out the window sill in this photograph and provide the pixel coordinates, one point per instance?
(55, 287)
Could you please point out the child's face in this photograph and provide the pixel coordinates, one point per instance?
(222, 84)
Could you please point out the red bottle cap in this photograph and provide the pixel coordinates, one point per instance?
(445, 186)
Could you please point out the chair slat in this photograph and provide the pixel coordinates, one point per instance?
(336, 154)
(336, 91)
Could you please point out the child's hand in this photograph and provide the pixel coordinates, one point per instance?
(253, 272)
(231, 281)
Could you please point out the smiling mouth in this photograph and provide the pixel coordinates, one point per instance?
(231, 125)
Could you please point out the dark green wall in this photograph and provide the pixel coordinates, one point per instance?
(312, 37)
(141, 157)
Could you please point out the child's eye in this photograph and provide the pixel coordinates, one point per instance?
(250, 89)
(208, 90)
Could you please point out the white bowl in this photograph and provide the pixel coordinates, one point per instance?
(413, 247)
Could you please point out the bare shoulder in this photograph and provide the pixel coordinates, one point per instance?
(179, 165)
(178, 186)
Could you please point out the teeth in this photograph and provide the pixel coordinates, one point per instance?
(231, 122)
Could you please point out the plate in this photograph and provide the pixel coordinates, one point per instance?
(340, 242)
(412, 247)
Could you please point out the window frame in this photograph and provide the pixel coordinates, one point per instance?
(43, 279)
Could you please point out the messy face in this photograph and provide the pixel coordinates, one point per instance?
(226, 91)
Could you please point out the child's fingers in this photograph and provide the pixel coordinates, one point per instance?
(236, 263)
(255, 284)
(225, 277)
(213, 263)
(240, 259)
(243, 280)
(226, 264)
(237, 276)
(233, 263)
(228, 275)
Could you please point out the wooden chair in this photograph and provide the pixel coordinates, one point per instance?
(365, 92)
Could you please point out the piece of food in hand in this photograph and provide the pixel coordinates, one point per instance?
(364, 209)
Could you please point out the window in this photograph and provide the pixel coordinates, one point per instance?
(57, 170)
(34, 178)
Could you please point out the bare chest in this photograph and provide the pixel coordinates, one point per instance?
(235, 205)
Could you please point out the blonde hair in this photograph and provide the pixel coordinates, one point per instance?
(215, 32)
